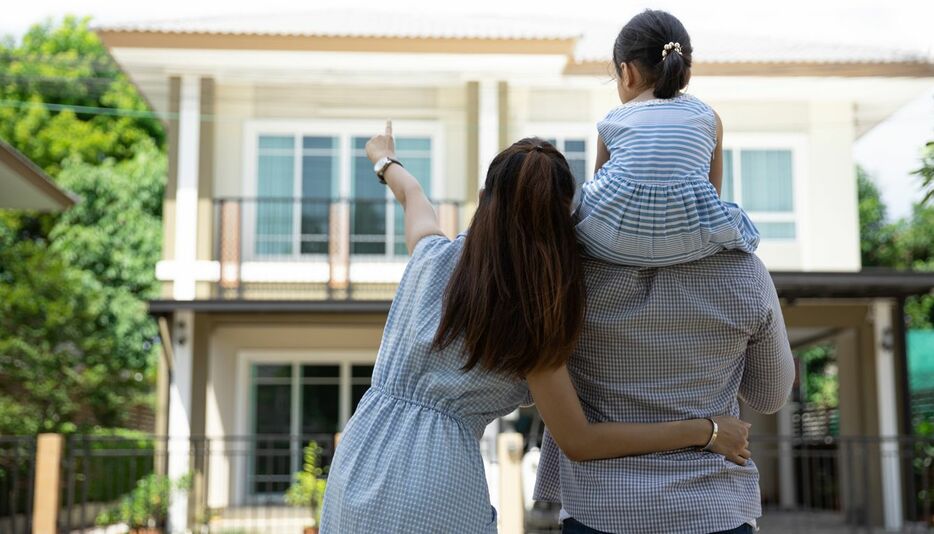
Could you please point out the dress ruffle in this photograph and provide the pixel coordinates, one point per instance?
(659, 223)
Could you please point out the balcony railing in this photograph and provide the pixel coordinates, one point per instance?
(314, 249)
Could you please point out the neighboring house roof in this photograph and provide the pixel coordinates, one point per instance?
(23, 185)
(589, 41)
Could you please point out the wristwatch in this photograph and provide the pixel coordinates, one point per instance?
(382, 164)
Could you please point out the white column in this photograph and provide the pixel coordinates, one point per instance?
(186, 195)
(888, 414)
(488, 129)
(179, 435)
(786, 464)
(490, 460)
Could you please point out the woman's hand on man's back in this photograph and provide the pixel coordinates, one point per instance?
(732, 439)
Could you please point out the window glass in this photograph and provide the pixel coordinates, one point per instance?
(320, 168)
(320, 408)
(368, 209)
(776, 230)
(726, 189)
(274, 192)
(767, 180)
(575, 150)
(360, 382)
(272, 409)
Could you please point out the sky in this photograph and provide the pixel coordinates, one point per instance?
(889, 152)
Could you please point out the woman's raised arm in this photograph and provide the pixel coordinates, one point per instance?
(420, 217)
(581, 440)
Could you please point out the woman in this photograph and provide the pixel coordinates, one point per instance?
(474, 320)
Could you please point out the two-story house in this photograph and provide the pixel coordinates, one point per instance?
(281, 251)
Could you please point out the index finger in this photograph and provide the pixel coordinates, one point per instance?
(389, 127)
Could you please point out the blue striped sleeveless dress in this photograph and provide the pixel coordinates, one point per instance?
(652, 203)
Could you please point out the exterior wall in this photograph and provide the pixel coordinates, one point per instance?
(293, 337)
(822, 132)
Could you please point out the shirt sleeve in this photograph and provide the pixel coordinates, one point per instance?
(548, 474)
(769, 368)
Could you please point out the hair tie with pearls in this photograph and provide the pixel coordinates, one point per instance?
(671, 46)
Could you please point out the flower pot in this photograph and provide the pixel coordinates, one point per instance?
(310, 530)
(146, 530)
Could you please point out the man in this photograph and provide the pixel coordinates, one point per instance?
(663, 344)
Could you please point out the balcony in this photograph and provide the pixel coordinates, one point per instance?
(313, 248)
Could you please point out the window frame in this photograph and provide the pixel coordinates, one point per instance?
(344, 131)
(564, 131)
(245, 414)
(796, 144)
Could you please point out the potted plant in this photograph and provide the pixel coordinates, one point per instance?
(309, 485)
(145, 508)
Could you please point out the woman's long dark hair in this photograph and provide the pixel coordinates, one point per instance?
(642, 41)
(517, 295)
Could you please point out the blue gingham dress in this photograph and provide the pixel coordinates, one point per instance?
(409, 459)
(652, 204)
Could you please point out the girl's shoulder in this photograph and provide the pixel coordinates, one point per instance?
(684, 100)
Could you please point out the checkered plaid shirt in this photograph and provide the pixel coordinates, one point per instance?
(663, 344)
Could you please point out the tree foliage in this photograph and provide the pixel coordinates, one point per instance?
(926, 172)
(904, 244)
(76, 343)
(66, 65)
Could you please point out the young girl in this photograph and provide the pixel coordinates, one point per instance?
(477, 322)
(654, 197)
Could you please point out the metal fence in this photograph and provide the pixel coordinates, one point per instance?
(828, 485)
(238, 484)
(17, 473)
(314, 248)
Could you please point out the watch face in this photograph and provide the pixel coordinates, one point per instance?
(378, 166)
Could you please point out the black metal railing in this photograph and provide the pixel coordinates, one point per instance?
(17, 475)
(829, 484)
(234, 483)
(313, 248)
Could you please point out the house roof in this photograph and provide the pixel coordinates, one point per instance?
(592, 38)
(715, 45)
(23, 185)
(358, 23)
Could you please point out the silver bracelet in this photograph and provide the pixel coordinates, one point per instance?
(713, 435)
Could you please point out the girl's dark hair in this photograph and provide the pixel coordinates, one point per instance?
(516, 297)
(642, 41)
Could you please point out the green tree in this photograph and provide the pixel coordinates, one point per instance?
(66, 65)
(926, 172)
(76, 343)
(877, 235)
(904, 244)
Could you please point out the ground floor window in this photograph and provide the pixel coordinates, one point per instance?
(292, 404)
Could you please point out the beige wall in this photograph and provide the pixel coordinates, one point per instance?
(827, 225)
